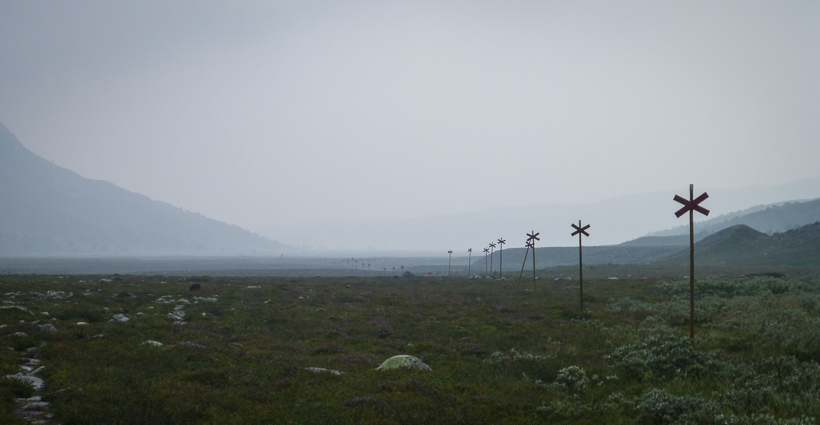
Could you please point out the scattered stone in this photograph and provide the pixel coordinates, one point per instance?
(3, 326)
(16, 307)
(58, 294)
(254, 287)
(152, 342)
(179, 308)
(37, 405)
(206, 300)
(183, 301)
(126, 294)
(106, 280)
(45, 313)
(35, 382)
(191, 344)
(323, 370)
(121, 318)
(93, 291)
(48, 327)
(82, 323)
(404, 360)
(21, 334)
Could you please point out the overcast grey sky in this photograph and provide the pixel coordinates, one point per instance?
(267, 113)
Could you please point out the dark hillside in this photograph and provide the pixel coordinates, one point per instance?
(742, 246)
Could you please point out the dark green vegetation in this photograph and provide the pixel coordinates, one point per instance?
(499, 354)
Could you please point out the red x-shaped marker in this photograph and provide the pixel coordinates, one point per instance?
(580, 229)
(692, 205)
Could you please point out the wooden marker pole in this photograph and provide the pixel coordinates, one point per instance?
(520, 275)
(501, 243)
(581, 231)
(532, 238)
(691, 206)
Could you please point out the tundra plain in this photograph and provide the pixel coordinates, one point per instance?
(246, 350)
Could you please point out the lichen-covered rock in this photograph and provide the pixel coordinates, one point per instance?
(404, 360)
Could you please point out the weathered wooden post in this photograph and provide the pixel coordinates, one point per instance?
(486, 252)
(532, 238)
(469, 260)
(492, 248)
(520, 275)
(449, 260)
(501, 243)
(581, 231)
(691, 206)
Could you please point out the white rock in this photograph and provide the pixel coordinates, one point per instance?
(82, 323)
(48, 327)
(152, 342)
(323, 370)
(121, 317)
(37, 405)
(34, 381)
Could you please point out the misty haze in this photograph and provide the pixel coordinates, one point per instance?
(417, 212)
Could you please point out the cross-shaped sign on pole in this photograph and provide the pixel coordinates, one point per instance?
(532, 238)
(469, 260)
(492, 248)
(691, 206)
(449, 260)
(501, 243)
(486, 252)
(527, 245)
(580, 231)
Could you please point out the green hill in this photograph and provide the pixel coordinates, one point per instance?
(742, 246)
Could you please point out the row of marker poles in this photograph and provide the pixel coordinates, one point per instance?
(689, 206)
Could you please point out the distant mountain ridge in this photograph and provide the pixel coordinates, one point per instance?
(769, 219)
(47, 210)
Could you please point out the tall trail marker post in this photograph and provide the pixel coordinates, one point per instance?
(691, 206)
(532, 238)
(449, 260)
(528, 245)
(486, 251)
(501, 243)
(469, 260)
(581, 231)
(492, 248)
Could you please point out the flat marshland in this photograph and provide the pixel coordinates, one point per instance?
(237, 351)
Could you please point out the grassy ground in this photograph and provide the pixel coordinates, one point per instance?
(499, 354)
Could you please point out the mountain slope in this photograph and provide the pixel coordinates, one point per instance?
(48, 210)
(742, 246)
